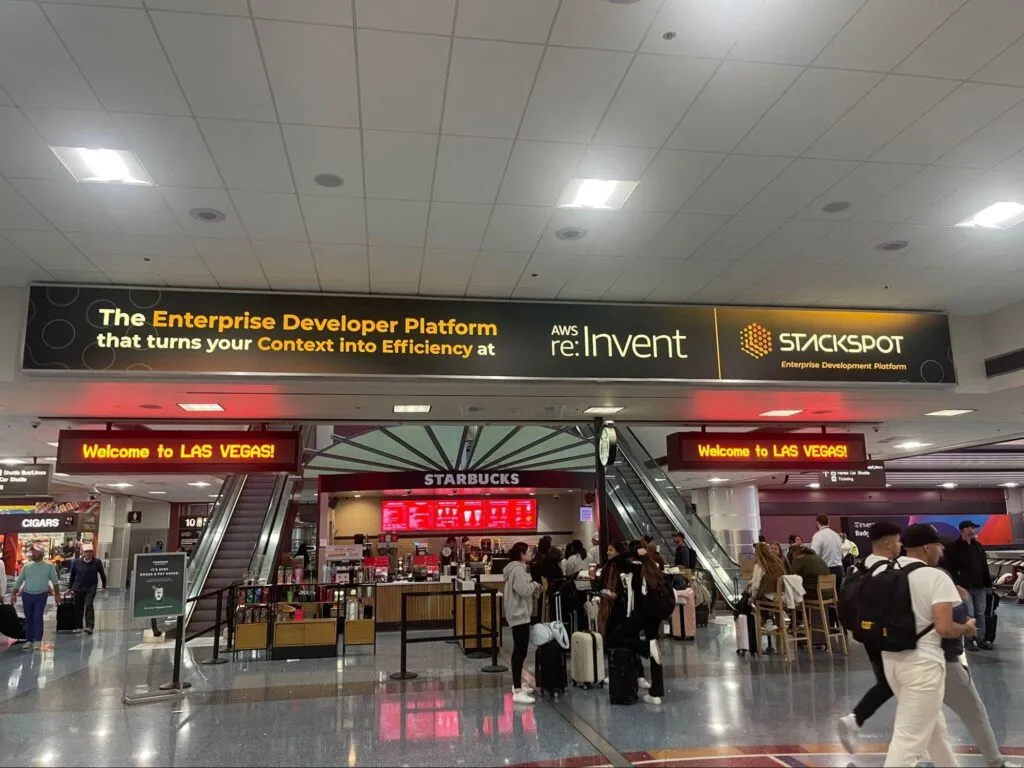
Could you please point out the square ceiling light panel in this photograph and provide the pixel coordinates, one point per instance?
(103, 166)
(597, 194)
(997, 216)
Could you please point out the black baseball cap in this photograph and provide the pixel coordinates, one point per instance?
(968, 524)
(919, 534)
(882, 529)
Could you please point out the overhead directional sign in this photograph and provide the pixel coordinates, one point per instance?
(872, 476)
(761, 451)
(26, 480)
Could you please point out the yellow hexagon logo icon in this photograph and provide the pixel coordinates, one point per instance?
(756, 341)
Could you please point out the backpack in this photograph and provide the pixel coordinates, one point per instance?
(879, 608)
(660, 602)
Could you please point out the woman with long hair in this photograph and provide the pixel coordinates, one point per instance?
(776, 549)
(518, 602)
(612, 609)
(645, 578)
(768, 569)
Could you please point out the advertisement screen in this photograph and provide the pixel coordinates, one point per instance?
(458, 515)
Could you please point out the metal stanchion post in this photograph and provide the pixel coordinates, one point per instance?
(455, 624)
(404, 673)
(231, 618)
(176, 683)
(478, 651)
(216, 633)
(494, 666)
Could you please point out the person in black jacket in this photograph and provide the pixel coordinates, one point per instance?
(968, 565)
(684, 557)
(86, 574)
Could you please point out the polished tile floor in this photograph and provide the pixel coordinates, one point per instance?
(63, 706)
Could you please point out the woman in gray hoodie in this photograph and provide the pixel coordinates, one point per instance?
(518, 600)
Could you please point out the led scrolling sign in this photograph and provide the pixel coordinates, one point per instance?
(727, 450)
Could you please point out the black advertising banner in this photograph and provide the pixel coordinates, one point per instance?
(30, 480)
(158, 585)
(872, 476)
(730, 450)
(121, 330)
(32, 523)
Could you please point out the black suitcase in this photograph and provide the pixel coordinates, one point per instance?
(549, 669)
(623, 681)
(11, 624)
(991, 617)
(66, 615)
(703, 615)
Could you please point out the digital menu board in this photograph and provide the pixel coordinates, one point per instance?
(444, 515)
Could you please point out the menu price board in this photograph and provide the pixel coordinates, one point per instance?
(444, 515)
(728, 450)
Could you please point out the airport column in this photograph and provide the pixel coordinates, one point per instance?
(1015, 511)
(113, 538)
(734, 516)
(601, 488)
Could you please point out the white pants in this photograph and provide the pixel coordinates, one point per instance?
(919, 732)
(1018, 586)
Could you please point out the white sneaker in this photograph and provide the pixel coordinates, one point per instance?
(848, 733)
(769, 626)
(527, 690)
(642, 684)
(655, 652)
(522, 697)
(648, 699)
(26, 647)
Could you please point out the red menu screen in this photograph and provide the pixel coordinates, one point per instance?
(445, 515)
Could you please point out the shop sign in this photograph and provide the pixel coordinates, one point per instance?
(106, 330)
(383, 481)
(158, 585)
(31, 480)
(728, 450)
(872, 476)
(343, 552)
(176, 452)
(38, 524)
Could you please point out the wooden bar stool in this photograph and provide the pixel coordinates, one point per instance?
(821, 605)
(789, 637)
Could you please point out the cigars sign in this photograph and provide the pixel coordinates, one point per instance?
(105, 330)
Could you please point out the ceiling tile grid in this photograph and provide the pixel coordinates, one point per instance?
(449, 130)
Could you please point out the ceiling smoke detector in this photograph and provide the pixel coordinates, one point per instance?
(892, 245)
(329, 180)
(836, 207)
(208, 215)
(571, 233)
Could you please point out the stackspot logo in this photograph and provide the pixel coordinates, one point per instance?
(756, 341)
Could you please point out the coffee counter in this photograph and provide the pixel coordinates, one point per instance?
(427, 610)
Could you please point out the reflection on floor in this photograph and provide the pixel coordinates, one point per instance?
(63, 706)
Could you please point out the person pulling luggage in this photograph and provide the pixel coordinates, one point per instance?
(37, 580)
(86, 574)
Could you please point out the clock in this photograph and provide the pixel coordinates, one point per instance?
(606, 450)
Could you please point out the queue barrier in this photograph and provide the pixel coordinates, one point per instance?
(493, 631)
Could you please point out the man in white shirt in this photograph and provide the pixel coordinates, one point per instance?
(829, 547)
(918, 676)
(595, 550)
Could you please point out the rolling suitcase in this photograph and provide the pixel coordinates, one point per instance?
(991, 618)
(11, 624)
(586, 659)
(549, 660)
(623, 681)
(66, 614)
(703, 614)
(745, 631)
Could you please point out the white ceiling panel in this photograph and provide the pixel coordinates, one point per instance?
(50, 250)
(269, 215)
(250, 155)
(991, 145)
(470, 169)
(789, 240)
(399, 166)
(23, 153)
(76, 128)
(310, 11)
(1006, 68)
(15, 211)
(793, 31)
(135, 247)
(222, 253)
(395, 270)
(591, 222)
(446, 272)
(217, 85)
(135, 209)
(613, 26)
(181, 200)
(545, 275)
(1013, 163)
(968, 40)
(35, 68)
(661, 88)
(604, 162)
(539, 172)
(171, 148)
(894, 104)
(397, 222)
(861, 187)
(798, 185)
(671, 178)
(314, 150)
(342, 268)
(683, 235)
(221, 7)
(284, 260)
(629, 232)
(118, 52)
(516, 228)
(80, 276)
(572, 93)
(641, 277)
(402, 80)
(882, 33)
(457, 226)
(432, 16)
(488, 86)
(735, 183)
(334, 219)
(594, 274)
(524, 21)
(731, 104)
(312, 72)
(734, 239)
(498, 269)
(917, 193)
(66, 204)
(701, 29)
(952, 120)
(810, 107)
(971, 198)
(843, 240)
(4, 99)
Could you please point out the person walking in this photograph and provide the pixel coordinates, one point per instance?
(86, 575)
(918, 676)
(518, 597)
(829, 547)
(37, 579)
(967, 563)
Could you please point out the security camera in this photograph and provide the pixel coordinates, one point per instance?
(556, 496)
(35, 424)
(876, 429)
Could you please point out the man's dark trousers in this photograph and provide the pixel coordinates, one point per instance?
(85, 616)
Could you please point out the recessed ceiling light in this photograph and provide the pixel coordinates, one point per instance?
(200, 407)
(329, 180)
(888, 485)
(357, 495)
(599, 194)
(783, 412)
(1008, 485)
(604, 410)
(214, 495)
(571, 233)
(411, 409)
(53, 445)
(61, 474)
(891, 245)
(103, 166)
(46, 458)
(207, 215)
(997, 216)
(717, 479)
(157, 493)
(119, 485)
(951, 412)
(814, 485)
(910, 445)
(200, 484)
(947, 485)
(836, 207)
(11, 462)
